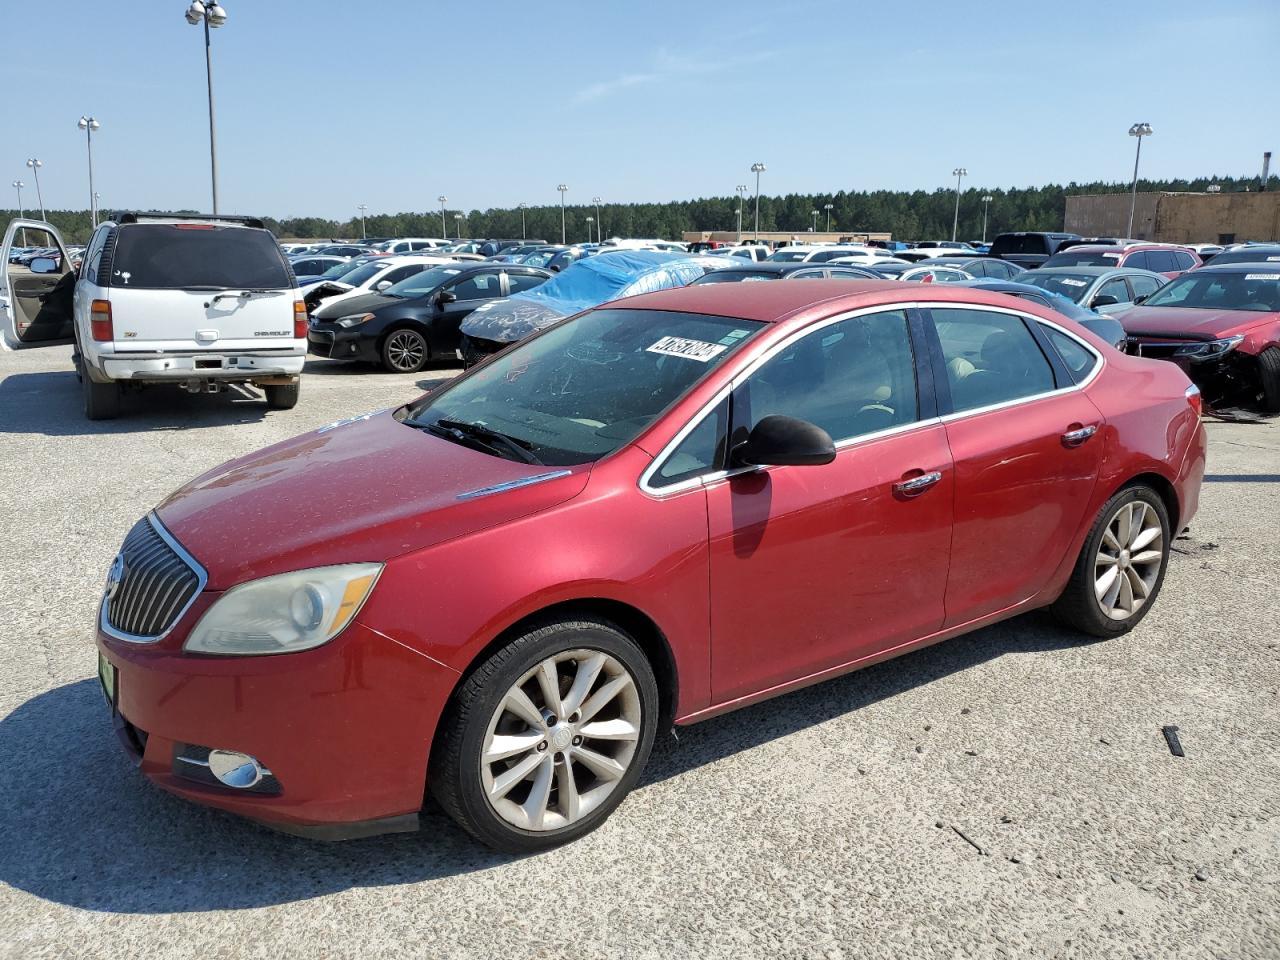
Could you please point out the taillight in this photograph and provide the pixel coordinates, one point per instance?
(1194, 398)
(299, 320)
(100, 321)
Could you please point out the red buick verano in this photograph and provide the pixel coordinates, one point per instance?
(651, 513)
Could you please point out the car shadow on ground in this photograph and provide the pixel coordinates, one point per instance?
(49, 403)
(82, 828)
(346, 368)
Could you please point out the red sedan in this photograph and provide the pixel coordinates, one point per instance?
(655, 512)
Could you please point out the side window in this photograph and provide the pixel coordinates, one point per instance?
(478, 286)
(402, 273)
(1185, 260)
(702, 451)
(1144, 286)
(1001, 269)
(1079, 361)
(990, 358)
(93, 256)
(1162, 261)
(522, 281)
(1114, 288)
(851, 378)
(1138, 260)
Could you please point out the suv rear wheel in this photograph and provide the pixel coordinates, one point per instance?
(282, 396)
(101, 400)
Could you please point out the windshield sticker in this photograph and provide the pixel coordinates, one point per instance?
(1269, 259)
(1113, 256)
(729, 339)
(1073, 283)
(698, 350)
(1262, 276)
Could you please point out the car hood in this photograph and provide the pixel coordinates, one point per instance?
(360, 303)
(1193, 323)
(365, 489)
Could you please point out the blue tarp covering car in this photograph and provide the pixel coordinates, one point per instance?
(587, 283)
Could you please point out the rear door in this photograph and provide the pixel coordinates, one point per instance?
(35, 305)
(197, 287)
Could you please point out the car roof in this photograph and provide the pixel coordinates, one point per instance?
(1238, 265)
(1090, 270)
(775, 302)
(772, 266)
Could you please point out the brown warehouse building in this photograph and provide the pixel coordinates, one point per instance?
(1178, 217)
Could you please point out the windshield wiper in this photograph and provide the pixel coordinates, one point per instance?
(457, 430)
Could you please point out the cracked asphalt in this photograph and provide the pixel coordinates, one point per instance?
(1006, 794)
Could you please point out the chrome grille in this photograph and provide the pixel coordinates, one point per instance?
(151, 584)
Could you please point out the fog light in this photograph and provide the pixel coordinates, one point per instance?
(237, 770)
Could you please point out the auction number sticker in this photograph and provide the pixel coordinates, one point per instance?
(1262, 276)
(1073, 283)
(698, 350)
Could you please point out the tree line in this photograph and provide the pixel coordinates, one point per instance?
(908, 215)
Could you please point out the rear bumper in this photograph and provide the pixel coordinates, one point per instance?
(212, 366)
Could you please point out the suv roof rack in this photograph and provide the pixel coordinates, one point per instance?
(135, 217)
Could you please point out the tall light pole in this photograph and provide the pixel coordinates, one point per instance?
(959, 173)
(986, 206)
(212, 16)
(741, 191)
(458, 224)
(88, 125)
(444, 230)
(814, 227)
(22, 214)
(362, 208)
(590, 221)
(599, 222)
(523, 233)
(563, 188)
(758, 168)
(1138, 130)
(34, 166)
(828, 207)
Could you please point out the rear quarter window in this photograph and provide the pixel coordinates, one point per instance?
(173, 257)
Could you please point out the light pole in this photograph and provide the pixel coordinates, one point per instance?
(599, 222)
(362, 208)
(563, 188)
(959, 173)
(590, 221)
(523, 233)
(1138, 130)
(986, 206)
(758, 168)
(88, 125)
(828, 207)
(741, 191)
(212, 16)
(22, 214)
(458, 224)
(34, 166)
(814, 227)
(444, 231)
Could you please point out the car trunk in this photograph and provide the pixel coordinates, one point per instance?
(176, 320)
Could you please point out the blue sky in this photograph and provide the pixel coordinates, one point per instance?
(327, 104)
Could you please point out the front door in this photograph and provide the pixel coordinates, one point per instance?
(38, 284)
(470, 292)
(816, 567)
(1027, 445)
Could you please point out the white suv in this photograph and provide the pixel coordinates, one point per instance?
(201, 302)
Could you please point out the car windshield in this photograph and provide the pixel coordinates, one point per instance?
(338, 270)
(588, 386)
(162, 256)
(788, 256)
(420, 284)
(1248, 255)
(539, 258)
(1064, 284)
(734, 276)
(1083, 258)
(363, 273)
(1247, 289)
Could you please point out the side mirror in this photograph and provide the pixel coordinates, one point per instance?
(785, 441)
(1103, 300)
(444, 297)
(381, 285)
(1140, 298)
(43, 265)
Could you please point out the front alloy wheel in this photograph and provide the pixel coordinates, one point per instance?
(405, 351)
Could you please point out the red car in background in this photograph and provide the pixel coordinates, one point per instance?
(657, 511)
(1222, 325)
(1168, 259)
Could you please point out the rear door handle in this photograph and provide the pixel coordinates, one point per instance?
(1078, 435)
(917, 485)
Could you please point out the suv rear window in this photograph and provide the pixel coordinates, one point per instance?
(162, 256)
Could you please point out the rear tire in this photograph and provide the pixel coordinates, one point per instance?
(282, 396)
(1124, 558)
(575, 756)
(1269, 375)
(101, 400)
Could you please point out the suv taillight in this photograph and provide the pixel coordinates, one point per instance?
(299, 320)
(100, 321)
(1195, 399)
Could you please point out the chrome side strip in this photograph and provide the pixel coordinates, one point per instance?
(513, 484)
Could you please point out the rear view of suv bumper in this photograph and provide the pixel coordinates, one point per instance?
(211, 366)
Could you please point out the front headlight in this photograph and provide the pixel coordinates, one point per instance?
(1208, 350)
(285, 613)
(354, 319)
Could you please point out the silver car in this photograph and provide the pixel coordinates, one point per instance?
(1105, 290)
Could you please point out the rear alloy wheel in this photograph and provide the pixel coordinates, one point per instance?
(1122, 565)
(1269, 374)
(547, 737)
(404, 351)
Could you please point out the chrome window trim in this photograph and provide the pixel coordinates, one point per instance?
(762, 356)
(202, 579)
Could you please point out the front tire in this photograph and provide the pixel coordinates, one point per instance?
(405, 351)
(546, 737)
(1269, 375)
(1121, 566)
(101, 400)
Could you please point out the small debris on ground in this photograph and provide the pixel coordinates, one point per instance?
(961, 834)
(1171, 738)
(1202, 875)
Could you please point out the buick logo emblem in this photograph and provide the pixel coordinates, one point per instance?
(115, 575)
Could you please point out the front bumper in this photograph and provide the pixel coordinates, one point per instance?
(473, 350)
(212, 366)
(345, 729)
(338, 343)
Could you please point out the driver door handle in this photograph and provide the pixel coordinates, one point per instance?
(917, 485)
(1078, 435)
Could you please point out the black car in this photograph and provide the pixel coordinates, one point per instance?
(1028, 249)
(781, 270)
(342, 250)
(978, 267)
(490, 248)
(1253, 253)
(417, 319)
